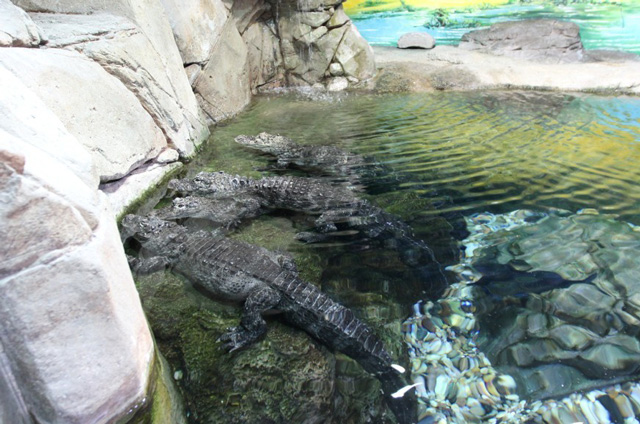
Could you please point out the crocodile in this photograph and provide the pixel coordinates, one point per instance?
(288, 153)
(232, 270)
(340, 211)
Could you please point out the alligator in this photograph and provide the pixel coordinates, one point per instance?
(289, 153)
(231, 270)
(339, 210)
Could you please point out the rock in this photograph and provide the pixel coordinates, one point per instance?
(338, 18)
(137, 186)
(416, 40)
(355, 54)
(24, 116)
(313, 19)
(94, 107)
(197, 27)
(337, 84)
(192, 72)
(74, 336)
(223, 87)
(16, 28)
(167, 156)
(611, 56)
(121, 49)
(264, 56)
(151, 19)
(246, 12)
(544, 40)
(336, 70)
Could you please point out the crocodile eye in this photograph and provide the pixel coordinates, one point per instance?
(467, 306)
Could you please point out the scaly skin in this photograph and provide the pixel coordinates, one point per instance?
(236, 271)
(288, 152)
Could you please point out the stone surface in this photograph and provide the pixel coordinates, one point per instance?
(338, 18)
(223, 87)
(123, 51)
(16, 28)
(151, 19)
(24, 116)
(416, 40)
(137, 185)
(94, 107)
(355, 54)
(167, 156)
(337, 84)
(197, 27)
(460, 69)
(539, 40)
(246, 12)
(74, 335)
(264, 56)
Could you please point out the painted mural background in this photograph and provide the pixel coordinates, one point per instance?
(603, 24)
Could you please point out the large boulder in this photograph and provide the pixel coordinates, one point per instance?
(355, 54)
(151, 19)
(94, 106)
(74, 343)
(222, 87)
(197, 27)
(123, 51)
(264, 56)
(544, 40)
(16, 28)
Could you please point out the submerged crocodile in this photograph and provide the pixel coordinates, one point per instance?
(236, 271)
(288, 153)
(339, 210)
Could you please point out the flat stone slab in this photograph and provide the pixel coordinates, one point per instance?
(448, 67)
(416, 40)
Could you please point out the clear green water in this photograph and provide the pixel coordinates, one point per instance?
(445, 156)
(603, 26)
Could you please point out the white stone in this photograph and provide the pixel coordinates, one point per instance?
(223, 87)
(192, 72)
(416, 40)
(167, 156)
(120, 48)
(16, 28)
(337, 84)
(197, 26)
(24, 116)
(94, 107)
(335, 69)
(355, 54)
(74, 338)
(122, 193)
(338, 18)
(151, 19)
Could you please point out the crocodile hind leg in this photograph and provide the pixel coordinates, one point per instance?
(252, 325)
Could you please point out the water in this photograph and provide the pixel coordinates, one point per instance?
(447, 162)
(602, 26)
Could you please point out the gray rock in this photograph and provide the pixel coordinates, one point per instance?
(246, 12)
(337, 84)
(264, 56)
(121, 49)
(416, 40)
(167, 156)
(338, 18)
(336, 70)
(543, 40)
(197, 27)
(93, 106)
(16, 28)
(355, 54)
(313, 19)
(74, 340)
(223, 87)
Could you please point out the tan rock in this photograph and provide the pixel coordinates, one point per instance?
(16, 28)
(247, 12)
(74, 340)
(264, 56)
(338, 18)
(94, 107)
(355, 54)
(197, 27)
(223, 86)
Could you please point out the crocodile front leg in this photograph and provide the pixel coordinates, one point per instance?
(252, 325)
(147, 266)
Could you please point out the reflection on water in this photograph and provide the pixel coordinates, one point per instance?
(554, 307)
(602, 26)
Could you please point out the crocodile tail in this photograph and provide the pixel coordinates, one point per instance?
(403, 406)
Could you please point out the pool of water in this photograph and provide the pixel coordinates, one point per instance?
(520, 180)
(602, 26)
